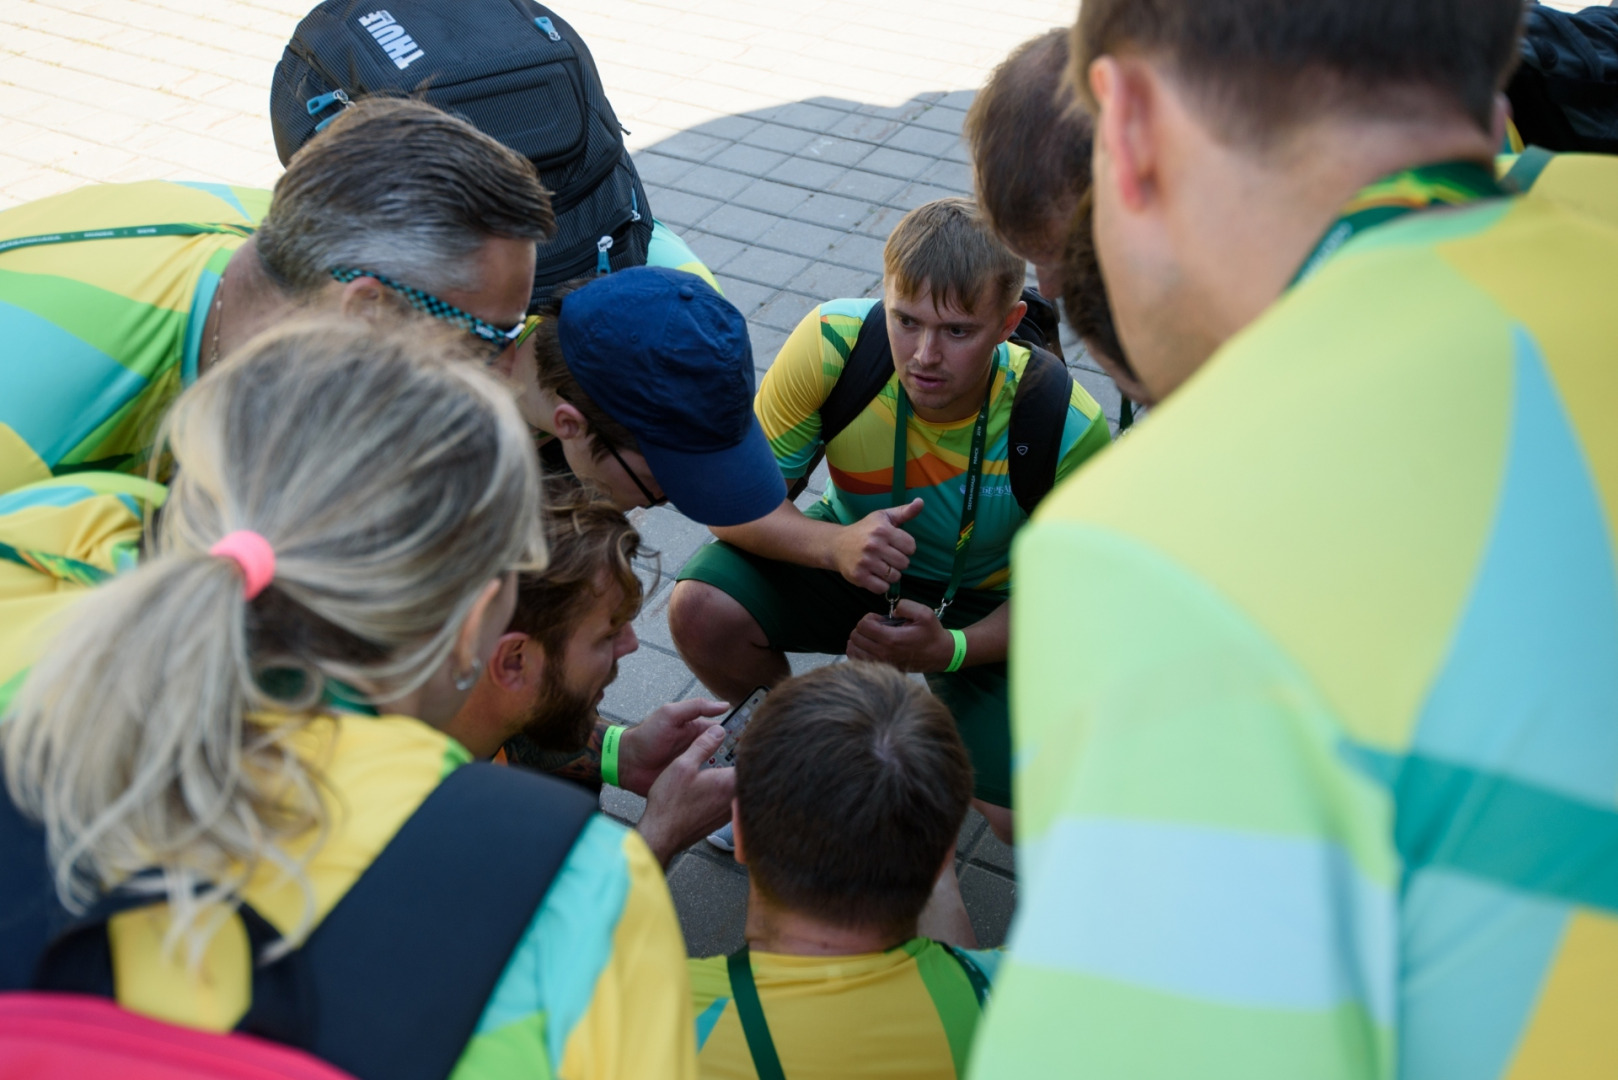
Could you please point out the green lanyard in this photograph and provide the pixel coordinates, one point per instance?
(124, 233)
(974, 483)
(750, 1011)
(1410, 191)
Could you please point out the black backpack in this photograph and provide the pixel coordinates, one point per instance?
(512, 68)
(1037, 413)
(393, 980)
(1564, 94)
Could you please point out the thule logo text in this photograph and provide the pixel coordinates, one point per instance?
(400, 46)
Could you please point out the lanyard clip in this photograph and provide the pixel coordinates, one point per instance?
(939, 612)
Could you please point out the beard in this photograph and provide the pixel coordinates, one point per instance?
(564, 715)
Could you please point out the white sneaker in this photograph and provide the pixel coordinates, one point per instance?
(723, 839)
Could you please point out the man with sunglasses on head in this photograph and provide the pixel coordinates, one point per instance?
(115, 297)
(645, 378)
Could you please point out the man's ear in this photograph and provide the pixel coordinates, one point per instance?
(568, 421)
(1125, 90)
(518, 664)
(1013, 318)
(739, 854)
(362, 297)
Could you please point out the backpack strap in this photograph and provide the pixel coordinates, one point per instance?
(1526, 169)
(974, 974)
(416, 945)
(1038, 414)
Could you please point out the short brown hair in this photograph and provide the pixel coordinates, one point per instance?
(1030, 145)
(851, 785)
(946, 246)
(586, 536)
(397, 186)
(1263, 66)
(1084, 290)
(556, 378)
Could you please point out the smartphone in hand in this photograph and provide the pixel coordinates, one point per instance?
(734, 723)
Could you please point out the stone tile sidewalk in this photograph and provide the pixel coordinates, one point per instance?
(783, 141)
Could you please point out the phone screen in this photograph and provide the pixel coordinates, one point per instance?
(734, 723)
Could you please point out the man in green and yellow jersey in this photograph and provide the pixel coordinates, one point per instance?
(114, 297)
(906, 559)
(1334, 793)
(851, 786)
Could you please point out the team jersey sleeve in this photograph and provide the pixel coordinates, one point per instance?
(794, 389)
(1208, 883)
(1084, 435)
(597, 989)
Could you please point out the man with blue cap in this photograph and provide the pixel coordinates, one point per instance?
(645, 377)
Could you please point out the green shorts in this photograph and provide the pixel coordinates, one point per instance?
(801, 609)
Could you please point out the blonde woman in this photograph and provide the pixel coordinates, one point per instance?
(226, 802)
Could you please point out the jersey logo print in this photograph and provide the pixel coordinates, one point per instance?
(399, 45)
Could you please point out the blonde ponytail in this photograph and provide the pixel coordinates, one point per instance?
(393, 479)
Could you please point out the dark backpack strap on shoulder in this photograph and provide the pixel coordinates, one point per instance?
(1038, 415)
(866, 371)
(402, 967)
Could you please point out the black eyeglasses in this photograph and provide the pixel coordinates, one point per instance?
(496, 339)
(651, 500)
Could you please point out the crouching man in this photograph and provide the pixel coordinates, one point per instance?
(851, 786)
(536, 702)
(941, 433)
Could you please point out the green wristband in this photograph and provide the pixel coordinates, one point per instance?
(960, 650)
(609, 754)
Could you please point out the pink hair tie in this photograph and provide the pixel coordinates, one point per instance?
(253, 554)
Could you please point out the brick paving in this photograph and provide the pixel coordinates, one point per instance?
(783, 141)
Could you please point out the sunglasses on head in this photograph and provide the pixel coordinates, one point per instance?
(493, 338)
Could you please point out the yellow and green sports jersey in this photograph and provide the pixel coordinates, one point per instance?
(666, 248)
(100, 335)
(907, 1013)
(58, 537)
(1334, 792)
(595, 988)
(860, 458)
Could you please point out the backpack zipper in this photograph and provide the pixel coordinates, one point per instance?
(548, 27)
(324, 101)
(604, 245)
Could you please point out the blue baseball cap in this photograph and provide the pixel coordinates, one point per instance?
(667, 357)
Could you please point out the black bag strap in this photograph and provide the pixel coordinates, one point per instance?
(1038, 415)
(415, 946)
(750, 1011)
(974, 974)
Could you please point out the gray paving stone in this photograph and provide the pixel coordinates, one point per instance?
(766, 267)
(771, 197)
(714, 251)
(738, 223)
(747, 296)
(625, 806)
(679, 208)
(646, 679)
(806, 173)
(940, 118)
(835, 151)
(950, 174)
(859, 184)
(767, 342)
(711, 901)
(864, 126)
(692, 145)
(804, 114)
(780, 137)
(903, 113)
(657, 168)
(832, 211)
(958, 99)
(830, 281)
(971, 829)
(669, 533)
(990, 852)
(881, 223)
(897, 163)
(916, 194)
(991, 900)
(799, 237)
(920, 140)
(785, 311)
(861, 252)
(752, 160)
(734, 128)
(802, 662)
(712, 182)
